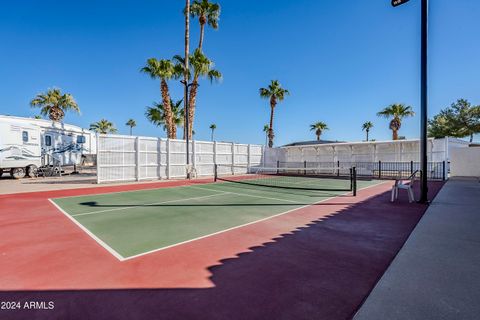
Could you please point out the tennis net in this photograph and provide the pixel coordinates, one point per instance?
(323, 179)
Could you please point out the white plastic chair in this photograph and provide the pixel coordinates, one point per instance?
(399, 185)
(191, 171)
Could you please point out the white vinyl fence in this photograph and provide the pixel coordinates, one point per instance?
(130, 158)
(374, 151)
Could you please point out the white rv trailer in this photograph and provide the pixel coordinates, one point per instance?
(27, 144)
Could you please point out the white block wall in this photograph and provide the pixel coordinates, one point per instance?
(465, 162)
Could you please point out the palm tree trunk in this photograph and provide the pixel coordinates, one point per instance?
(187, 52)
(212, 135)
(367, 135)
(270, 130)
(167, 107)
(130, 130)
(202, 32)
(318, 137)
(191, 108)
(395, 134)
(471, 137)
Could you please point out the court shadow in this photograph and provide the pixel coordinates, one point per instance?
(323, 270)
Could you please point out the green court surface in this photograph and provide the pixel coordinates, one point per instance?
(133, 223)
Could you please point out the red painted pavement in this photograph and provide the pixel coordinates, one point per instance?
(319, 262)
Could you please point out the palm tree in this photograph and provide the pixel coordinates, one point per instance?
(103, 126)
(207, 12)
(366, 127)
(131, 123)
(202, 67)
(318, 127)
(163, 70)
(54, 103)
(156, 114)
(397, 112)
(275, 93)
(213, 126)
(266, 129)
(37, 117)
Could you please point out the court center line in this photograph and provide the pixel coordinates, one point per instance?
(146, 205)
(249, 195)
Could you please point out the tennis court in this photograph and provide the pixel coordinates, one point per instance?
(134, 223)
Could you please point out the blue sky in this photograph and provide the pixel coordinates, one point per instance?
(342, 61)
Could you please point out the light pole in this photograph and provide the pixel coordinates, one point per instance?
(424, 103)
(423, 97)
(187, 131)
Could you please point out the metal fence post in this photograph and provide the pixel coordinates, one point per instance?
(354, 172)
(411, 167)
(305, 166)
(99, 171)
(137, 158)
(168, 158)
(194, 160)
(233, 158)
(379, 169)
(159, 158)
(338, 168)
(215, 155)
(444, 173)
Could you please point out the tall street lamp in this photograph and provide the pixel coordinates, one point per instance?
(423, 98)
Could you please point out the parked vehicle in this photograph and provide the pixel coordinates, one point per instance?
(29, 144)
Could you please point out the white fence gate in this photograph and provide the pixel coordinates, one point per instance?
(130, 158)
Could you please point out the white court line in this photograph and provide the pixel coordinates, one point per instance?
(121, 258)
(94, 237)
(248, 195)
(146, 205)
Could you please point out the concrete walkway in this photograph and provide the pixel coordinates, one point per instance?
(436, 275)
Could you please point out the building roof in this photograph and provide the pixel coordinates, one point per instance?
(313, 142)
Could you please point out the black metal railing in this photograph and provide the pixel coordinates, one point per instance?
(376, 170)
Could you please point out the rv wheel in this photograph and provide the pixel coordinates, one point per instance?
(32, 171)
(17, 173)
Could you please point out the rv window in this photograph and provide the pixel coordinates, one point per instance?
(80, 139)
(48, 141)
(25, 136)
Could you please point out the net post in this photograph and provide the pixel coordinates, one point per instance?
(305, 166)
(278, 166)
(354, 172)
(215, 172)
(351, 178)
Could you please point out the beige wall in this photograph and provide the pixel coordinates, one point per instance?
(465, 162)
